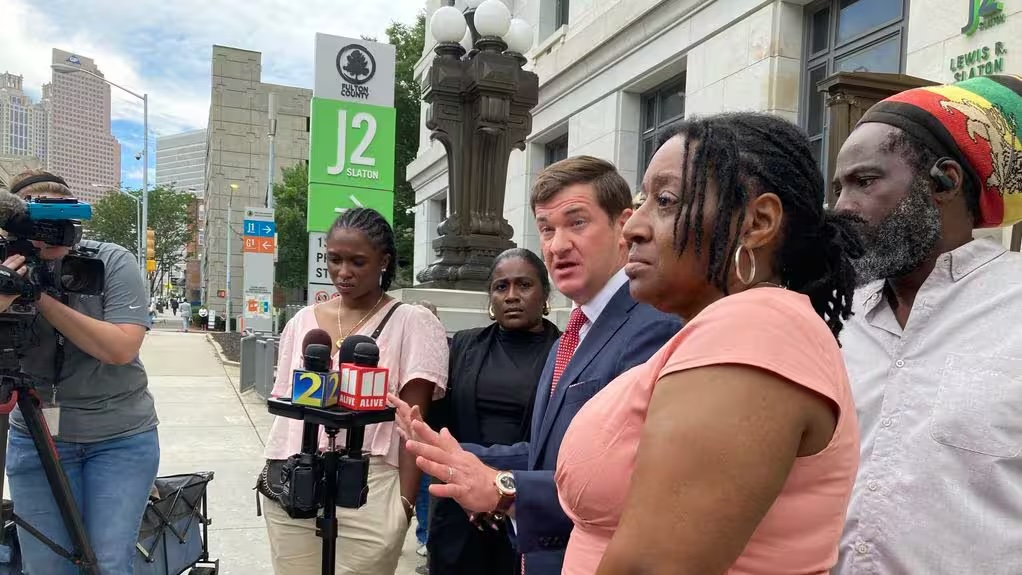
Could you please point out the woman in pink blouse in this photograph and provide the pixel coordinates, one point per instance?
(734, 448)
(361, 261)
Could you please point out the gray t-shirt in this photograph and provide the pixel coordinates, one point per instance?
(97, 401)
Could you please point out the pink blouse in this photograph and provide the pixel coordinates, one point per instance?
(768, 328)
(413, 345)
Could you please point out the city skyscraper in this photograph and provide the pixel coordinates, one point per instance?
(181, 161)
(82, 149)
(23, 124)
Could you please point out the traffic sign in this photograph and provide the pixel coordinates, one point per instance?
(320, 288)
(260, 228)
(352, 144)
(328, 202)
(259, 246)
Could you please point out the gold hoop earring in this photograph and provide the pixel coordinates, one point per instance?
(546, 308)
(738, 265)
(490, 311)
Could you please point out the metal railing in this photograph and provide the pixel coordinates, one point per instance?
(258, 362)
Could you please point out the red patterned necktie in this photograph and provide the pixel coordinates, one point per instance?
(565, 349)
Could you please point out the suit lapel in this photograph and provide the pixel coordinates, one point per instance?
(471, 367)
(542, 399)
(610, 320)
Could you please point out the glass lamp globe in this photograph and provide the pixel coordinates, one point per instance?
(492, 18)
(447, 24)
(519, 36)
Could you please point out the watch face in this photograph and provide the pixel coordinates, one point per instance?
(506, 482)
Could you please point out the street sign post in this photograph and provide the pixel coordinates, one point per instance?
(320, 287)
(352, 142)
(259, 244)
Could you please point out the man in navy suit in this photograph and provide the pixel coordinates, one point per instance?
(581, 205)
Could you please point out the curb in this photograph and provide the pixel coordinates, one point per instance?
(220, 352)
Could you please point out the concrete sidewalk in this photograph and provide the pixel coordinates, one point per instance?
(206, 425)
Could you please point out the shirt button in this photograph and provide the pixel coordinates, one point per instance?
(900, 363)
(873, 485)
(862, 548)
(887, 422)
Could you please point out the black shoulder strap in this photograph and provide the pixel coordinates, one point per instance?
(386, 318)
(58, 364)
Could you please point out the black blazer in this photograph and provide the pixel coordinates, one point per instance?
(457, 410)
(455, 546)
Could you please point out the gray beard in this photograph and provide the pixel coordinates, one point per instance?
(900, 242)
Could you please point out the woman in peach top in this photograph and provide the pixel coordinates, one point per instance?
(734, 448)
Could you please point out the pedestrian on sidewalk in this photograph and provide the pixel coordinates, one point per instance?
(85, 365)
(173, 305)
(361, 262)
(186, 315)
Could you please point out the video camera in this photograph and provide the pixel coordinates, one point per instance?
(55, 222)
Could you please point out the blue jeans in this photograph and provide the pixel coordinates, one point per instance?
(110, 482)
(422, 511)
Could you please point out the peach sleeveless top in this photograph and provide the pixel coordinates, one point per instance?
(769, 328)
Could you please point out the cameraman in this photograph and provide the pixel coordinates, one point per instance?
(83, 358)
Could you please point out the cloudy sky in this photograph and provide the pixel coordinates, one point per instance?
(163, 47)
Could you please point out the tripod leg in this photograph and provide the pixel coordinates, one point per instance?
(5, 422)
(58, 484)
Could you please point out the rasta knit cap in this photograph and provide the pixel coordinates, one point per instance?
(976, 123)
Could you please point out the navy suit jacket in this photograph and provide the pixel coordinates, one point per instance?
(626, 334)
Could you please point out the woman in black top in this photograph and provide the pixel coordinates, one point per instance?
(491, 390)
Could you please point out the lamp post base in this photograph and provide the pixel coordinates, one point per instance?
(464, 262)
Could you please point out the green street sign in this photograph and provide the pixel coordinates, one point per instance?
(352, 144)
(327, 202)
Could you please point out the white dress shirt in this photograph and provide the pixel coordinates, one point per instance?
(939, 487)
(594, 307)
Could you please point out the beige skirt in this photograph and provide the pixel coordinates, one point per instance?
(369, 540)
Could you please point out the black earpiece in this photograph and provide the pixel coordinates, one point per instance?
(944, 183)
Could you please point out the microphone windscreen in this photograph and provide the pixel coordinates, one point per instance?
(316, 336)
(317, 357)
(347, 352)
(367, 354)
(12, 208)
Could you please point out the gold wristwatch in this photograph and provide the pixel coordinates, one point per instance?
(505, 484)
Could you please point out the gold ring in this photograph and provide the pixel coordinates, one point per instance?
(450, 474)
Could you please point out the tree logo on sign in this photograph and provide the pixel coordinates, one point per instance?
(356, 64)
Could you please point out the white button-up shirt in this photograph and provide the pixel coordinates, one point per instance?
(939, 489)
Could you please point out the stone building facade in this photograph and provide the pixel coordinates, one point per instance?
(238, 153)
(615, 73)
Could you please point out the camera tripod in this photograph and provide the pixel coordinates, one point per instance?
(344, 483)
(16, 391)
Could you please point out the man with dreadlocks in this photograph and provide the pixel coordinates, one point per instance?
(934, 352)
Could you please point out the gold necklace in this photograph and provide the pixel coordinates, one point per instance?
(357, 325)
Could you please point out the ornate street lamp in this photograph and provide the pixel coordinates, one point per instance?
(480, 104)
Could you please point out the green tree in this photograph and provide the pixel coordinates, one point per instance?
(408, 41)
(290, 204)
(114, 220)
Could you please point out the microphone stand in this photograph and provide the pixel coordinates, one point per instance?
(326, 526)
(335, 463)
